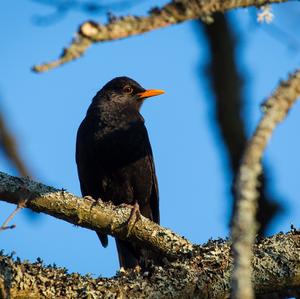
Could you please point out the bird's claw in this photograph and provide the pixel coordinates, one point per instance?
(135, 215)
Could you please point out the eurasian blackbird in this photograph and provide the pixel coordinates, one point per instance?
(114, 157)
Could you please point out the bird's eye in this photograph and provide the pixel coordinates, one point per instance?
(127, 89)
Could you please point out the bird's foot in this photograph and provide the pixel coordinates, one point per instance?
(93, 200)
(135, 215)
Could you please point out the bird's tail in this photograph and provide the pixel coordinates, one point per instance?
(130, 255)
(103, 239)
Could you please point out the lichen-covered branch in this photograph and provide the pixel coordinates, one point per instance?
(276, 269)
(244, 225)
(172, 13)
(91, 214)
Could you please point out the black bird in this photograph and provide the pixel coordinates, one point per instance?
(114, 157)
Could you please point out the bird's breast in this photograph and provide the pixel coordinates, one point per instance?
(121, 146)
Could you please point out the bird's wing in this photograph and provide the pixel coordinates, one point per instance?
(88, 185)
(154, 197)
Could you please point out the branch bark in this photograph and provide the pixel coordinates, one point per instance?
(91, 214)
(276, 268)
(175, 12)
(244, 225)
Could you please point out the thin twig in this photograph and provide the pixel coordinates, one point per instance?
(244, 225)
(172, 13)
(20, 206)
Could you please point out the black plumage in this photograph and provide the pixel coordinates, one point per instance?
(114, 157)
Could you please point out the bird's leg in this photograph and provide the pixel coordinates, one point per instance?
(135, 215)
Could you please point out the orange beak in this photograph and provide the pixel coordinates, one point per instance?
(150, 93)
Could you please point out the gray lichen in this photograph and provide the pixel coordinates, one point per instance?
(91, 214)
(206, 274)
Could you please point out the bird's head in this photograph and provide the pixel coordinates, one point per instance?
(123, 92)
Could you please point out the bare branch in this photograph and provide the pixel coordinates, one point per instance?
(276, 268)
(9, 146)
(5, 226)
(227, 85)
(95, 215)
(244, 225)
(175, 12)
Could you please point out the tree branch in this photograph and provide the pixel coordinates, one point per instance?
(4, 226)
(244, 225)
(8, 144)
(227, 88)
(276, 268)
(175, 12)
(91, 214)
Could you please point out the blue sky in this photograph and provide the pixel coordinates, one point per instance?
(45, 110)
